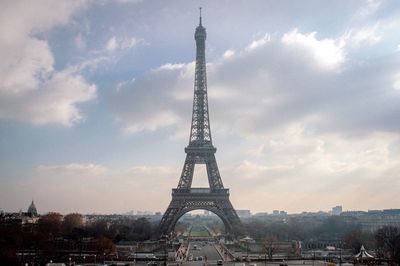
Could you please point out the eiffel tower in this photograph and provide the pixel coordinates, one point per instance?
(200, 151)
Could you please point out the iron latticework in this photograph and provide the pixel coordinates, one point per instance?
(200, 151)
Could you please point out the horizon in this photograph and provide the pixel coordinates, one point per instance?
(200, 211)
(96, 102)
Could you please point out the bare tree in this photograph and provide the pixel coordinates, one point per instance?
(388, 242)
(270, 245)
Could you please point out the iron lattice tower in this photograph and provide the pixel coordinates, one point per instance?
(200, 151)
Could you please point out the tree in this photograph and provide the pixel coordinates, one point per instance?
(270, 244)
(353, 240)
(72, 221)
(388, 242)
(103, 244)
(50, 224)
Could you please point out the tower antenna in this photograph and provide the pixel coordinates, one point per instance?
(200, 15)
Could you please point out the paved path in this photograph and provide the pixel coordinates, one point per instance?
(203, 249)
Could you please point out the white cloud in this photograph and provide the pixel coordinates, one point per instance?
(72, 169)
(371, 7)
(259, 42)
(263, 89)
(114, 43)
(327, 52)
(111, 44)
(364, 36)
(170, 66)
(24, 65)
(229, 53)
(31, 89)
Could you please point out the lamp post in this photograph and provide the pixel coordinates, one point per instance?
(165, 250)
(265, 259)
(94, 259)
(313, 258)
(84, 259)
(69, 261)
(104, 257)
(247, 256)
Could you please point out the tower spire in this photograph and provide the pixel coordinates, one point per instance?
(200, 16)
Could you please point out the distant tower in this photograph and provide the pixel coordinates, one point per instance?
(200, 151)
(32, 209)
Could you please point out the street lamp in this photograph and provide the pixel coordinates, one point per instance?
(104, 257)
(165, 238)
(313, 258)
(69, 261)
(84, 259)
(265, 259)
(94, 259)
(247, 242)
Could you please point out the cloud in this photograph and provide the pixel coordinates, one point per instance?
(370, 8)
(114, 44)
(327, 52)
(72, 169)
(366, 36)
(321, 119)
(111, 44)
(259, 42)
(31, 90)
(162, 89)
(282, 82)
(294, 167)
(54, 102)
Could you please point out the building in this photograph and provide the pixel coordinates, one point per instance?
(337, 210)
(374, 219)
(243, 213)
(32, 211)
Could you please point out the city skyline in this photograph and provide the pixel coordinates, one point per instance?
(96, 100)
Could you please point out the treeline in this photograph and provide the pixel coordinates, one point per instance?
(54, 234)
(333, 227)
(385, 242)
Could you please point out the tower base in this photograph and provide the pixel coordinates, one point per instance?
(186, 200)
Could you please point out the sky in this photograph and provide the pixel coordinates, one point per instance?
(96, 101)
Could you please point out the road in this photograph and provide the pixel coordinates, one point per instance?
(204, 250)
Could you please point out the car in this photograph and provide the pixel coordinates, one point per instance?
(152, 263)
(219, 262)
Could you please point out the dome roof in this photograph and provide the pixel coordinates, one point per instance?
(32, 209)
